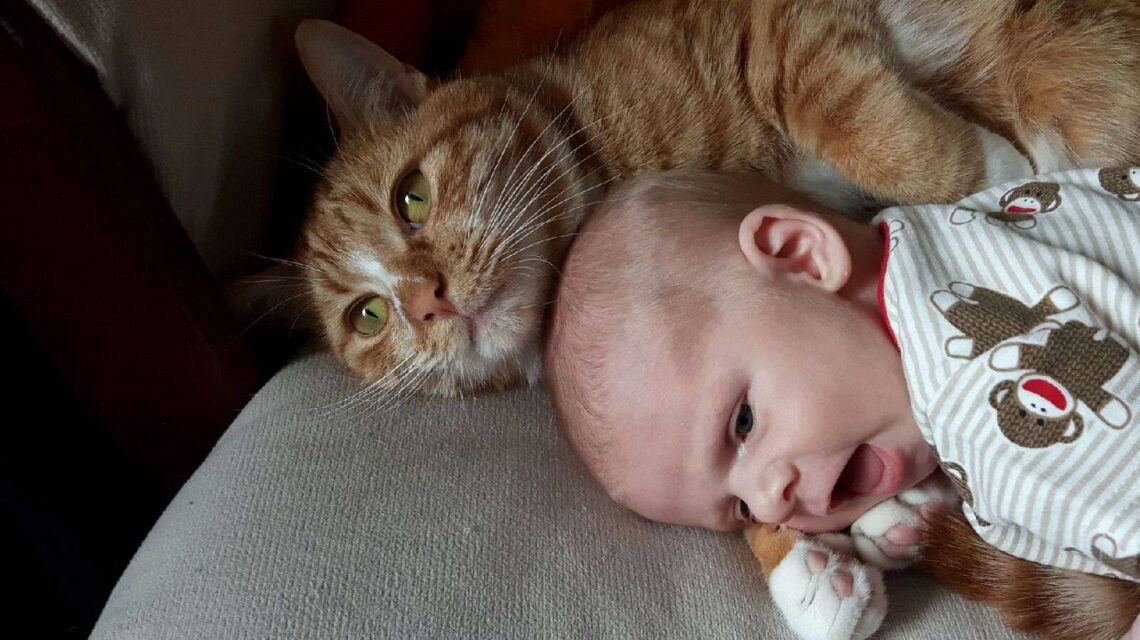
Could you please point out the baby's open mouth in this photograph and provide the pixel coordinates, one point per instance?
(866, 473)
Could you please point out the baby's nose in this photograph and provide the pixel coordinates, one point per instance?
(772, 498)
(426, 300)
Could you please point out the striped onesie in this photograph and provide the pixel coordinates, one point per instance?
(1017, 314)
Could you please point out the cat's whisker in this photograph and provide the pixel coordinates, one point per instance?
(332, 131)
(408, 387)
(268, 312)
(477, 207)
(306, 164)
(344, 403)
(492, 219)
(572, 185)
(529, 224)
(518, 125)
(508, 244)
(540, 242)
(509, 203)
(300, 313)
(290, 263)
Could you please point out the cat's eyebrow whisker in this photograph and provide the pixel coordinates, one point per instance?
(280, 281)
(504, 207)
(557, 117)
(509, 203)
(520, 234)
(532, 306)
(494, 168)
(540, 242)
(529, 224)
(516, 236)
(572, 167)
(518, 125)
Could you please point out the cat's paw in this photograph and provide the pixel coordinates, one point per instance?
(1003, 162)
(889, 534)
(828, 595)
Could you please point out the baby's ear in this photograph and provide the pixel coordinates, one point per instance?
(359, 80)
(777, 239)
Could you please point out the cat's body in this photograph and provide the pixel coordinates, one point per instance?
(433, 240)
(839, 99)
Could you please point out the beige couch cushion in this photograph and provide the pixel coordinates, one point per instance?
(440, 519)
(202, 84)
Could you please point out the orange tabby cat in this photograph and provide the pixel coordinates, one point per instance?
(436, 231)
(433, 240)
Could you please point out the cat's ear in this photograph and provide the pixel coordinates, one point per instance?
(360, 81)
(777, 239)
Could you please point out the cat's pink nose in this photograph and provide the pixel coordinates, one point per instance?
(426, 300)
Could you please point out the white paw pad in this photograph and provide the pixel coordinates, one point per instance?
(826, 595)
(888, 535)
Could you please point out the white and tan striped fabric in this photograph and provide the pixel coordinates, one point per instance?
(1017, 313)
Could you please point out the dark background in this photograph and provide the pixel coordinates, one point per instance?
(122, 364)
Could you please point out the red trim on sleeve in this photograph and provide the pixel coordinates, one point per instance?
(882, 281)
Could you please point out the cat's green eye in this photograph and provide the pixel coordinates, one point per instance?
(369, 315)
(413, 199)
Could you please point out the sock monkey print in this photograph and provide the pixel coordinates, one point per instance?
(1040, 408)
(1123, 182)
(1019, 206)
(987, 318)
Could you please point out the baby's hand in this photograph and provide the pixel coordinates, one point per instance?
(825, 593)
(889, 535)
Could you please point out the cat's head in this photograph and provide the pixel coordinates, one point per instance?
(431, 244)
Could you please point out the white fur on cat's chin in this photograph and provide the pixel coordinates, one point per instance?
(506, 340)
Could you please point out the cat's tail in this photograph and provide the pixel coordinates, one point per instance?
(1053, 603)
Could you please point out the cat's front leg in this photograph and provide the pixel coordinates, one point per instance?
(889, 535)
(822, 590)
(889, 139)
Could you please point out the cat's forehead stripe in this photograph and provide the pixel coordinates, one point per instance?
(371, 268)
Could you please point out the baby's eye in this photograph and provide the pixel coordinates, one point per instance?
(743, 424)
(742, 512)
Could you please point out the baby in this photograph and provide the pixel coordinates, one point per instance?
(723, 351)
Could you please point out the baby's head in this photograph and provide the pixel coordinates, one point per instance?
(716, 356)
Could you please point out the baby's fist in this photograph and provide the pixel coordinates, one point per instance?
(889, 535)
